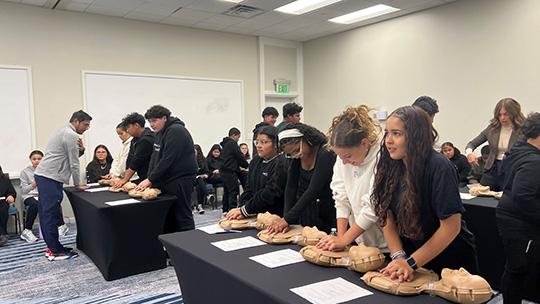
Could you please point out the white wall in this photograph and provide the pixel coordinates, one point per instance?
(467, 54)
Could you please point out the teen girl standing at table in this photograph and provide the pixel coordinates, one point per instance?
(354, 137)
(308, 197)
(417, 200)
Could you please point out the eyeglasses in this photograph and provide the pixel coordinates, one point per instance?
(263, 142)
(86, 125)
(297, 155)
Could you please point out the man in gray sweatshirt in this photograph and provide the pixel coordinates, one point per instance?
(61, 161)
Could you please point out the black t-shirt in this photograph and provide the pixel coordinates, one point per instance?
(440, 200)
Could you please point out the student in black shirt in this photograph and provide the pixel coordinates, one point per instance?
(200, 182)
(459, 160)
(308, 197)
(100, 166)
(416, 198)
(232, 159)
(518, 212)
(140, 150)
(173, 166)
(266, 178)
(214, 164)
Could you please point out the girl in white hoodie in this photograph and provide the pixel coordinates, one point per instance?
(354, 136)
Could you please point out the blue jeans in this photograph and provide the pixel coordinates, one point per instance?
(50, 198)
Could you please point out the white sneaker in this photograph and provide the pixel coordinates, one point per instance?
(28, 236)
(63, 230)
(200, 209)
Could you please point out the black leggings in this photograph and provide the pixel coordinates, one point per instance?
(202, 191)
(522, 261)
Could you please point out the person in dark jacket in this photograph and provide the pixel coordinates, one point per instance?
(100, 166)
(200, 182)
(459, 160)
(518, 212)
(173, 166)
(478, 170)
(214, 164)
(269, 115)
(140, 150)
(308, 196)
(266, 179)
(232, 159)
(7, 197)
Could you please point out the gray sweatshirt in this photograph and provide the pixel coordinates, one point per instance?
(27, 178)
(61, 159)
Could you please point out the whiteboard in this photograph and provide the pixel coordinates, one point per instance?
(17, 119)
(208, 107)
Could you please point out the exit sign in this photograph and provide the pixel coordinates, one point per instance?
(282, 88)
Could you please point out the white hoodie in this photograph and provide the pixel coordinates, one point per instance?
(351, 188)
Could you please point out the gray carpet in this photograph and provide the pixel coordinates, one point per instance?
(26, 276)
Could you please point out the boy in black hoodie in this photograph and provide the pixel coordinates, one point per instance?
(518, 212)
(269, 115)
(173, 166)
(232, 159)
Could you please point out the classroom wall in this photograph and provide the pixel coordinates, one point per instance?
(58, 45)
(467, 54)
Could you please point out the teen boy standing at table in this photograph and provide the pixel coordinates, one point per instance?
(173, 166)
(61, 161)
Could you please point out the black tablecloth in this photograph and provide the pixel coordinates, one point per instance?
(209, 275)
(120, 240)
(482, 222)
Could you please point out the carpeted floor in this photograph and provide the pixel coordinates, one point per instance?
(26, 276)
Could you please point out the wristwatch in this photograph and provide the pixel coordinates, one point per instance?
(412, 263)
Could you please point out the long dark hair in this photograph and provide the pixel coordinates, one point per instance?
(2, 175)
(247, 156)
(451, 145)
(96, 166)
(214, 147)
(200, 156)
(409, 172)
(513, 108)
(311, 135)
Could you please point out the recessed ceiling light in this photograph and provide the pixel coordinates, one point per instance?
(303, 6)
(367, 13)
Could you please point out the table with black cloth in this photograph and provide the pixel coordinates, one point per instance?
(121, 240)
(209, 275)
(482, 222)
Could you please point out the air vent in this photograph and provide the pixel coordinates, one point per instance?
(243, 11)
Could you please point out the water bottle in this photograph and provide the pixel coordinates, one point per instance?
(333, 231)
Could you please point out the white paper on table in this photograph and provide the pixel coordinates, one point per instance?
(93, 184)
(212, 229)
(239, 243)
(466, 196)
(278, 258)
(122, 202)
(97, 189)
(333, 291)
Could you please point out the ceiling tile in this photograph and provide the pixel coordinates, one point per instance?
(180, 3)
(209, 26)
(238, 30)
(157, 9)
(323, 14)
(424, 6)
(144, 17)
(76, 7)
(349, 6)
(299, 21)
(406, 4)
(266, 4)
(225, 20)
(96, 9)
(253, 24)
(34, 2)
(127, 5)
(179, 21)
(82, 1)
(324, 26)
(273, 17)
(212, 6)
(16, 1)
(192, 14)
(279, 28)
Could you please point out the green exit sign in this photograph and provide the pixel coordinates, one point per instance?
(282, 88)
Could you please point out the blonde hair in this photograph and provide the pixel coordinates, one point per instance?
(353, 125)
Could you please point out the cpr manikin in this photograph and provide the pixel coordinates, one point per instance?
(455, 285)
(297, 234)
(359, 258)
(260, 222)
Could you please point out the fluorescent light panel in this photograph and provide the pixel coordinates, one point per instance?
(367, 13)
(303, 6)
